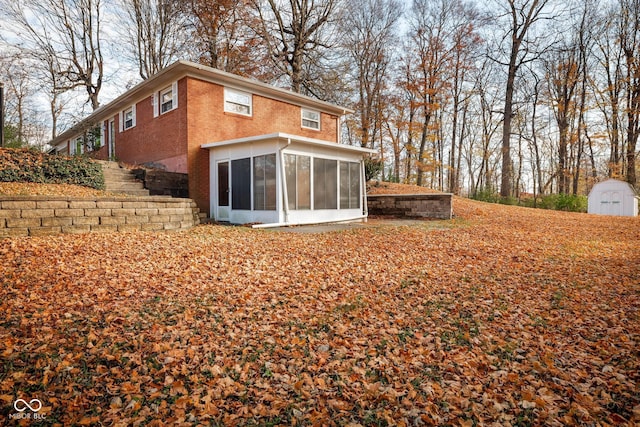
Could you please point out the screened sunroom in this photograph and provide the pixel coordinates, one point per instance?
(280, 179)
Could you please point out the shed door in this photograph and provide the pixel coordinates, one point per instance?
(611, 203)
(223, 191)
(616, 203)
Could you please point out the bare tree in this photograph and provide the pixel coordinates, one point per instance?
(224, 32)
(368, 37)
(629, 36)
(522, 16)
(466, 43)
(70, 30)
(18, 88)
(294, 33)
(609, 93)
(155, 32)
(429, 72)
(564, 76)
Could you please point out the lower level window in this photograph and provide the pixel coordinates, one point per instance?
(349, 185)
(325, 184)
(298, 175)
(264, 183)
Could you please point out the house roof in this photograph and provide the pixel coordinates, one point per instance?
(290, 138)
(180, 69)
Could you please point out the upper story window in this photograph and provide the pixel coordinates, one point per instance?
(127, 118)
(166, 100)
(238, 102)
(310, 119)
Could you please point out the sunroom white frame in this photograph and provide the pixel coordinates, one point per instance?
(281, 144)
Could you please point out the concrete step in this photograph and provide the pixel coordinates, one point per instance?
(120, 180)
(119, 185)
(133, 192)
(108, 171)
(108, 165)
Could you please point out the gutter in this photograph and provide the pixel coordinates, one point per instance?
(365, 208)
(283, 178)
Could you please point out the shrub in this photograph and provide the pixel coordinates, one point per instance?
(26, 165)
(564, 202)
(372, 168)
(486, 195)
(571, 203)
(559, 202)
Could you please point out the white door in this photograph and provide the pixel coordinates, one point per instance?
(611, 203)
(616, 203)
(222, 175)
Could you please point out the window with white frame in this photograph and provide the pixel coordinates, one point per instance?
(237, 102)
(325, 183)
(298, 176)
(264, 183)
(349, 185)
(310, 119)
(129, 118)
(166, 100)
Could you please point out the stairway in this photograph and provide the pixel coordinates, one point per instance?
(121, 180)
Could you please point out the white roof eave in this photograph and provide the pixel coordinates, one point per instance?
(289, 138)
(180, 69)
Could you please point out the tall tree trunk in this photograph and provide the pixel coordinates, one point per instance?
(522, 18)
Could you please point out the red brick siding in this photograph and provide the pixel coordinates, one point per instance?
(153, 139)
(208, 122)
(200, 119)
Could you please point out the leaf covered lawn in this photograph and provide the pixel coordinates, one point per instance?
(503, 316)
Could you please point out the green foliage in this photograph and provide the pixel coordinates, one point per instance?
(486, 195)
(372, 168)
(11, 137)
(27, 165)
(564, 202)
(559, 202)
(512, 201)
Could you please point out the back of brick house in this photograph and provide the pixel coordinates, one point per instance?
(165, 120)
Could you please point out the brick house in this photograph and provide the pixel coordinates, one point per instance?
(254, 153)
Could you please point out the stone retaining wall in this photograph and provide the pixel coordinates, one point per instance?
(411, 205)
(45, 215)
(162, 183)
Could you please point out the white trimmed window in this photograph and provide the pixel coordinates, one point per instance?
(237, 102)
(310, 119)
(127, 118)
(166, 100)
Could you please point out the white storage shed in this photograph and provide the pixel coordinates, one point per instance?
(613, 197)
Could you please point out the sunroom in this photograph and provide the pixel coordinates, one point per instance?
(280, 179)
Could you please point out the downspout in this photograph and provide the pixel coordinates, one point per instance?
(283, 177)
(365, 208)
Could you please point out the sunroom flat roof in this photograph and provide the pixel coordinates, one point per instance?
(290, 138)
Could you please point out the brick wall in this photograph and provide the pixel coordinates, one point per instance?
(207, 122)
(411, 205)
(44, 215)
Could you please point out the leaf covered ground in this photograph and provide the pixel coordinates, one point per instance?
(503, 316)
(38, 189)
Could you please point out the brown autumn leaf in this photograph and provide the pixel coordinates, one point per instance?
(502, 316)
